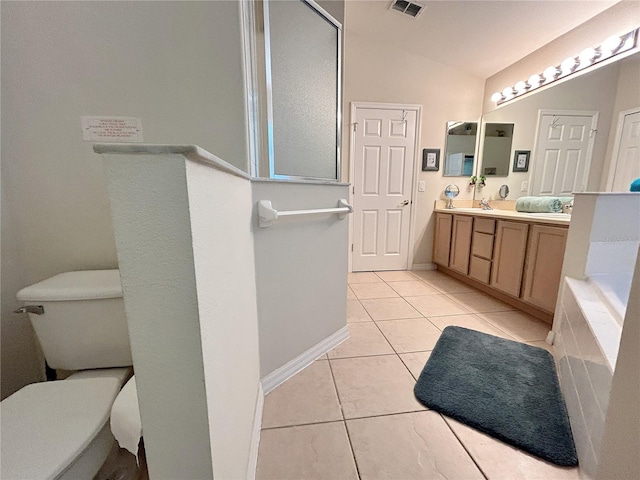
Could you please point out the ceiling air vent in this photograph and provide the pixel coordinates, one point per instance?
(412, 9)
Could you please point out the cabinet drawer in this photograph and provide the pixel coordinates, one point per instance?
(484, 225)
(480, 269)
(482, 245)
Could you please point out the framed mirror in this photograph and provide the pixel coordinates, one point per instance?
(497, 140)
(460, 151)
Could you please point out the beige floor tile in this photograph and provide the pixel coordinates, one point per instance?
(436, 305)
(307, 397)
(308, 452)
(373, 290)
(409, 446)
(364, 339)
(519, 325)
(446, 284)
(410, 335)
(500, 461)
(389, 309)
(479, 302)
(397, 276)
(350, 294)
(427, 274)
(362, 277)
(471, 321)
(412, 288)
(374, 386)
(356, 312)
(415, 362)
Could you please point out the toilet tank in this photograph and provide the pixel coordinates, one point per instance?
(83, 325)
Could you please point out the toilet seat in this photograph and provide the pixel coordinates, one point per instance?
(47, 426)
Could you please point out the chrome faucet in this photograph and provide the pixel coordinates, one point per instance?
(484, 204)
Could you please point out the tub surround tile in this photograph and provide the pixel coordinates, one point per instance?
(307, 397)
(369, 386)
(310, 452)
(409, 446)
(390, 309)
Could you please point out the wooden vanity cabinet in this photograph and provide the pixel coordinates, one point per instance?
(545, 254)
(509, 255)
(482, 249)
(442, 244)
(461, 244)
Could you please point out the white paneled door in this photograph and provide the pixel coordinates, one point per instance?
(383, 159)
(563, 152)
(626, 166)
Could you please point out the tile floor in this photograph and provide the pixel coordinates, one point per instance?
(352, 413)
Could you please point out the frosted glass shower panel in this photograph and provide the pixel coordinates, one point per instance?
(304, 60)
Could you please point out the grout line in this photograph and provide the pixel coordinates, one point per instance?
(381, 415)
(366, 356)
(321, 422)
(344, 422)
(464, 447)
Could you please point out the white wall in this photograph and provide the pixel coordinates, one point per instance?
(175, 65)
(185, 248)
(376, 72)
(301, 271)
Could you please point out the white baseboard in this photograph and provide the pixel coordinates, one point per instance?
(288, 370)
(423, 266)
(255, 435)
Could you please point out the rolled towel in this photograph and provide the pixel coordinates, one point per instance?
(539, 204)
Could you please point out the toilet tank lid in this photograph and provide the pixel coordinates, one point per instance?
(83, 285)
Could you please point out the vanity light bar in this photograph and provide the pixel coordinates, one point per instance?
(611, 47)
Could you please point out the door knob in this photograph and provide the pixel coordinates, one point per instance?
(405, 203)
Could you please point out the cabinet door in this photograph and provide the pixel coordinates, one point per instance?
(508, 257)
(461, 244)
(544, 266)
(442, 243)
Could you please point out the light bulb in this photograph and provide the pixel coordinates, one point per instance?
(587, 56)
(521, 87)
(550, 73)
(496, 97)
(534, 80)
(567, 65)
(507, 92)
(610, 45)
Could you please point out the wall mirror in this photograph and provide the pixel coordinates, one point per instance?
(460, 149)
(497, 139)
(608, 93)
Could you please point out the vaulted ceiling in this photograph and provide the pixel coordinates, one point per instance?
(480, 37)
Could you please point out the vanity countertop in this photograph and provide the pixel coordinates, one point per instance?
(549, 218)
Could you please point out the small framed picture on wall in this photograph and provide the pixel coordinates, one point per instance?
(430, 159)
(521, 160)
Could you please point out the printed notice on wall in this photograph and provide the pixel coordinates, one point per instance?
(112, 129)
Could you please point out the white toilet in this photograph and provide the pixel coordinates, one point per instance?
(60, 429)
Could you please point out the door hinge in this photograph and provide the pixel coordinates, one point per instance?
(593, 132)
(355, 126)
(353, 189)
(352, 247)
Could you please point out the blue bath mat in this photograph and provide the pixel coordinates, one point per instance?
(503, 388)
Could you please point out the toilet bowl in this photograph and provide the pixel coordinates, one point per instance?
(60, 429)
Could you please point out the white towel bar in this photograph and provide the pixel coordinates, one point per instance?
(267, 214)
